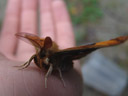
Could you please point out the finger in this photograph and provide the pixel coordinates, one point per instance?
(64, 31)
(29, 16)
(46, 19)
(29, 25)
(10, 27)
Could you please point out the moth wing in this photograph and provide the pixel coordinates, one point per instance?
(81, 51)
(31, 38)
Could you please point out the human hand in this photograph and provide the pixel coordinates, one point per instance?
(21, 16)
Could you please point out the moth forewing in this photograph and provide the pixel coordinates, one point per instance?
(81, 51)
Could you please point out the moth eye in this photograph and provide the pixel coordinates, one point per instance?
(42, 53)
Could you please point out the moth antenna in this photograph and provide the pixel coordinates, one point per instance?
(47, 43)
(61, 77)
(47, 74)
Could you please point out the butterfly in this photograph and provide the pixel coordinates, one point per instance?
(48, 56)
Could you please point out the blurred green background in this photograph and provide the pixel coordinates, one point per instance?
(84, 11)
(97, 20)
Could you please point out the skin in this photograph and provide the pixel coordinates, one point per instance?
(54, 22)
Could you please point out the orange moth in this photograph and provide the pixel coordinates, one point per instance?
(49, 57)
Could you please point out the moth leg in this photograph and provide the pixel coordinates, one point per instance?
(47, 74)
(30, 60)
(61, 77)
(22, 64)
(26, 64)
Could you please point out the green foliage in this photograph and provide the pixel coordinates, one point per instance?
(84, 11)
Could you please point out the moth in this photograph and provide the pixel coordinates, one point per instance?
(49, 57)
